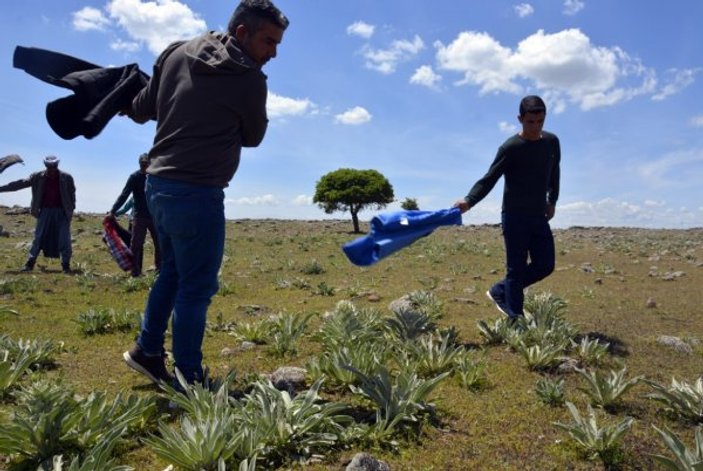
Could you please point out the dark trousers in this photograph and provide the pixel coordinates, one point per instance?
(529, 253)
(140, 226)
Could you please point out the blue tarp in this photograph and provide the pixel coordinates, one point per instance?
(391, 232)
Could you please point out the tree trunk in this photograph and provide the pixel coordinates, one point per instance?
(355, 220)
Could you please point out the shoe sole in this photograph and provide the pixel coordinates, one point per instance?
(488, 293)
(139, 368)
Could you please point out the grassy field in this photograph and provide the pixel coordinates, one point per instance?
(624, 286)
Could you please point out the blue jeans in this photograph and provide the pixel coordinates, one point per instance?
(525, 237)
(190, 226)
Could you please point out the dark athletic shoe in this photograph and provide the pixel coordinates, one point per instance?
(153, 368)
(29, 265)
(499, 303)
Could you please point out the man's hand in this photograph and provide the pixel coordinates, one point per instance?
(551, 209)
(462, 205)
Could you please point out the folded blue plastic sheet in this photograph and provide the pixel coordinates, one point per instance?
(391, 232)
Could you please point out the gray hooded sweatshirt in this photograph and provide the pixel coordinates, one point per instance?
(209, 100)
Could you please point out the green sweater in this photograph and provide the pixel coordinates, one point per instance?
(531, 170)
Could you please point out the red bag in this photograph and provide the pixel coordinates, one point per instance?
(117, 247)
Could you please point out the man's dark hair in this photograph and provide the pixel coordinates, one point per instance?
(532, 104)
(254, 13)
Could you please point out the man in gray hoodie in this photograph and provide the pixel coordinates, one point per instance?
(208, 96)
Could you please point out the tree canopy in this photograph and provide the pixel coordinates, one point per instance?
(409, 204)
(352, 190)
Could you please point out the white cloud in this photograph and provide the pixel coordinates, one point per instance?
(481, 59)
(507, 128)
(263, 200)
(90, 19)
(125, 46)
(302, 200)
(571, 7)
(612, 212)
(425, 76)
(354, 116)
(674, 170)
(678, 80)
(386, 60)
(361, 29)
(697, 121)
(524, 9)
(156, 23)
(565, 66)
(279, 106)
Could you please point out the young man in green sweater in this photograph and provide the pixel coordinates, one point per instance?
(529, 161)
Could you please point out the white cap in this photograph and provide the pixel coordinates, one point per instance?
(51, 161)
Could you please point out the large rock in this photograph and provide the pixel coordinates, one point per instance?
(366, 462)
(675, 343)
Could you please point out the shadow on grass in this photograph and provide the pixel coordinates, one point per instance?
(616, 348)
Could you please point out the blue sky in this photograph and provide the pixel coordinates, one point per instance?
(422, 91)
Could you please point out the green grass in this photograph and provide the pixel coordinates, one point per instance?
(297, 268)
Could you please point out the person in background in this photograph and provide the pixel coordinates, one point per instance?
(530, 163)
(53, 203)
(128, 207)
(141, 220)
(208, 96)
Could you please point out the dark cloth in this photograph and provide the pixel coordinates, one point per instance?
(122, 233)
(10, 160)
(392, 231)
(221, 107)
(52, 235)
(52, 193)
(135, 187)
(531, 170)
(99, 92)
(140, 226)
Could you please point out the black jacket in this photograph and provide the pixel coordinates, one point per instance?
(135, 187)
(99, 93)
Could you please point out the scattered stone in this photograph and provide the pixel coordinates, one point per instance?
(401, 304)
(675, 343)
(598, 281)
(587, 268)
(373, 298)
(366, 462)
(651, 303)
(288, 378)
(672, 275)
(252, 309)
(246, 346)
(227, 352)
(16, 210)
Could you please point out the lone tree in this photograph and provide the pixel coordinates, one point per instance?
(409, 204)
(353, 190)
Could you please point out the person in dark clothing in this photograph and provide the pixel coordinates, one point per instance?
(208, 96)
(141, 220)
(530, 163)
(53, 203)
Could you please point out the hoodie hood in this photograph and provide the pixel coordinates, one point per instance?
(218, 53)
